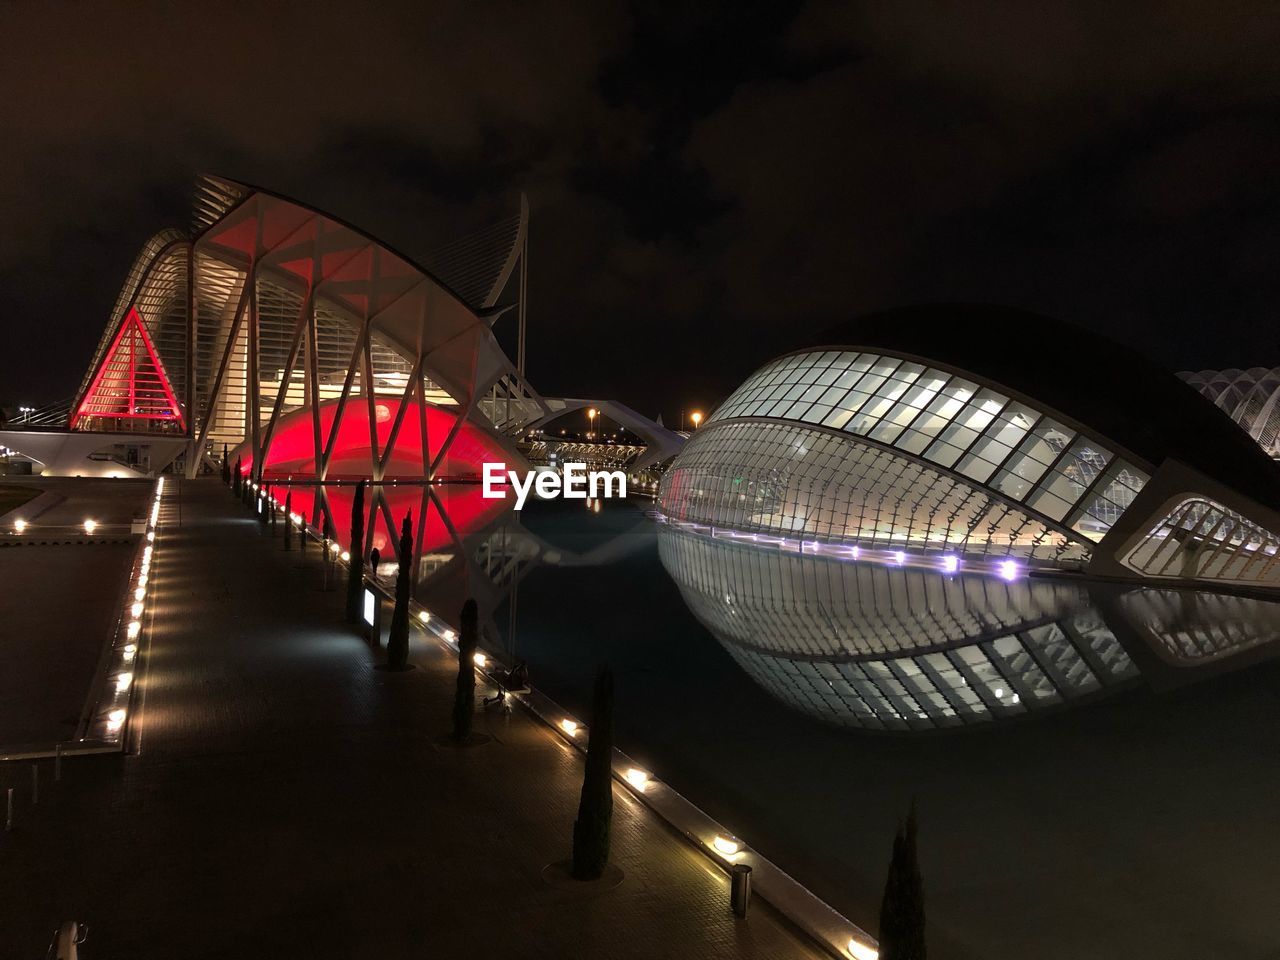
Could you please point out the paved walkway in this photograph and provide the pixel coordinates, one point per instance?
(289, 800)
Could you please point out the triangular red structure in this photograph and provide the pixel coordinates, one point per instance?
(130, 383)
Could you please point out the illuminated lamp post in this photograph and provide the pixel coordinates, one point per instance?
(697, 419)
(591, 420)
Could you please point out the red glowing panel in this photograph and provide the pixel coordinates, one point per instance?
(292, 451)
(130, 383)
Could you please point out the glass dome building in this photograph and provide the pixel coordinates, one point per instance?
(982, 439)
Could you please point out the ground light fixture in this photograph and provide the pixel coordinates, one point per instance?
(115, 720)
(345, 556)
(123, 681)
(861, 951)
(950, 563)
(136, 609)
(133, 629)
(424, 616)
(637, 778)
(90, 525)
(480, 660)
(727, 844)
(569, 726)
(449, 635)
(1008, 570)
(140, 593)
(19, 526)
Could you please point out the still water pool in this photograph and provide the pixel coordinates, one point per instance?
(1097, 768)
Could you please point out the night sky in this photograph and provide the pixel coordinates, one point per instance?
(707, 189)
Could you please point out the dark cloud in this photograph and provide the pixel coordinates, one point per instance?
(708, 185)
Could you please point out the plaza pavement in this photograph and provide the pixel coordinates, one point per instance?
(286, 799)
(60, 594)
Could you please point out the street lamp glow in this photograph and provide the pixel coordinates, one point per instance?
(90, 526)
(696, 417)
(950, 564)
(1008, 570)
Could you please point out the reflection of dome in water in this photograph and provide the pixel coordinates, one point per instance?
(865, 645)
(895, 648)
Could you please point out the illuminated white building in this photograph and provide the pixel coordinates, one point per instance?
(966, 437)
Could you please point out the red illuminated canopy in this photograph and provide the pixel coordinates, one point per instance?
(130, 383)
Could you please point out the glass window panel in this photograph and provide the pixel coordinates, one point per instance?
(913, 441)
(944, 453)
(1049, 504)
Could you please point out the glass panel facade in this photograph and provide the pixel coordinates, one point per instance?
(789, 479)
(945, 419)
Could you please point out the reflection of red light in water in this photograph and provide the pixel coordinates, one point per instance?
(465, 504)
(292, 456)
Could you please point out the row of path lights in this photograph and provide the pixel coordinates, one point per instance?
(113, 717)
(111, 713)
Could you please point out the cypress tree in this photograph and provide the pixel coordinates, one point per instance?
(398, 639)
(273, 510)
(226, 467)
(464, 697)
(237, 481)
(902, 909)
(288, 520)
(595, 808)
(355, 569)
